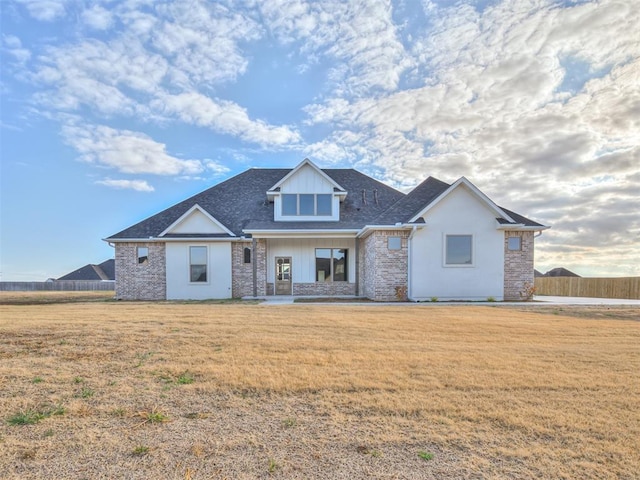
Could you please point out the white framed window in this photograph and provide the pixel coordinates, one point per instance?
(143, 255)
(458, 250)
(514, 243)
(306, 204)
(394, 243)
(198, 264)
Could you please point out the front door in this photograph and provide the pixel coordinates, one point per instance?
(283, 275)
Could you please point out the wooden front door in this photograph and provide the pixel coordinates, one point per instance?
(283, 275)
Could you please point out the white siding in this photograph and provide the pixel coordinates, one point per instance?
(197, 222)
(218, 272)
(306, 180)
(303, 256)
(459, 213)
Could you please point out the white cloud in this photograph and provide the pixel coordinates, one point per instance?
(225, 117)
(126, 151)
(138, 185)
(361, 34)
(45, 10)
(13, 46)
(97, 18)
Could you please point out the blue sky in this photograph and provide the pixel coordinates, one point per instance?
(114, 110)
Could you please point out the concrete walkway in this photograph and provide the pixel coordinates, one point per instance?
(584, 300)
(537, 300)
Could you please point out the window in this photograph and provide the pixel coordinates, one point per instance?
(323, 204)
(459, 250)
(198, 264)
(306, 204)
(143, 255)
(394, 243)
(332, 264)
(514, 243)
(247, 255)
(289, 204)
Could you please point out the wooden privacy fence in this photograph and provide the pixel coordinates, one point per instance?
(62, 285)
(626, 287)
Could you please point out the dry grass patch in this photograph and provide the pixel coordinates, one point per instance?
(308, 391)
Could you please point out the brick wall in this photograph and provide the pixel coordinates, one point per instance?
(140, 281)
(518, 267)
(324, 288)
(242, 273)
(383, 272)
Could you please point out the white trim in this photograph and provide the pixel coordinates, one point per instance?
(174, 239)
(302, 233)
(474, 190)
(304, 162)
(368, 229)
(521, 227)
(184, 216)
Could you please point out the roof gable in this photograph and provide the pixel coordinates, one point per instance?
(302, 166)
(481, 197)
(196, 221)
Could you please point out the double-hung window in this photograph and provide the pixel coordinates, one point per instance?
(458, 250)
(332, 264)
(198, 264)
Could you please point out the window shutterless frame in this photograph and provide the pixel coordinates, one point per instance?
(458, 250)
(514, 243)
(198, 264)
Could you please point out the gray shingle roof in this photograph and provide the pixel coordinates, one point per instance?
(105, 271)
(240, 203)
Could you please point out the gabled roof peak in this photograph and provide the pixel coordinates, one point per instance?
(301, 165)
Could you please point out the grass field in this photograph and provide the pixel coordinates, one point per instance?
(102, 389)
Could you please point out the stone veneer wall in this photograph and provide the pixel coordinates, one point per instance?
(140, 282)
(518, 267)
(242, 273)
(384, 272)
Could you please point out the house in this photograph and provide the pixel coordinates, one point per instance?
(103, 271)
(560, 272)
(312, 231)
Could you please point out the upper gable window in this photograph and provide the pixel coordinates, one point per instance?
(306, 204)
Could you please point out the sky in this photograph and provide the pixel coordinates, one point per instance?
(112, 111)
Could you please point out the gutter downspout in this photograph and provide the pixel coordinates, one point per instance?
(414, 229)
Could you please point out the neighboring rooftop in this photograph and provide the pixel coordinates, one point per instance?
(104, 271)
(560, 272)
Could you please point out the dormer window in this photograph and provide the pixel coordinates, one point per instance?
(306, 204)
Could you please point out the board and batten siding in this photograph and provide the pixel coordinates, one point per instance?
(303, 256)
(218, 284)
(460, 213)
(307, 180)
